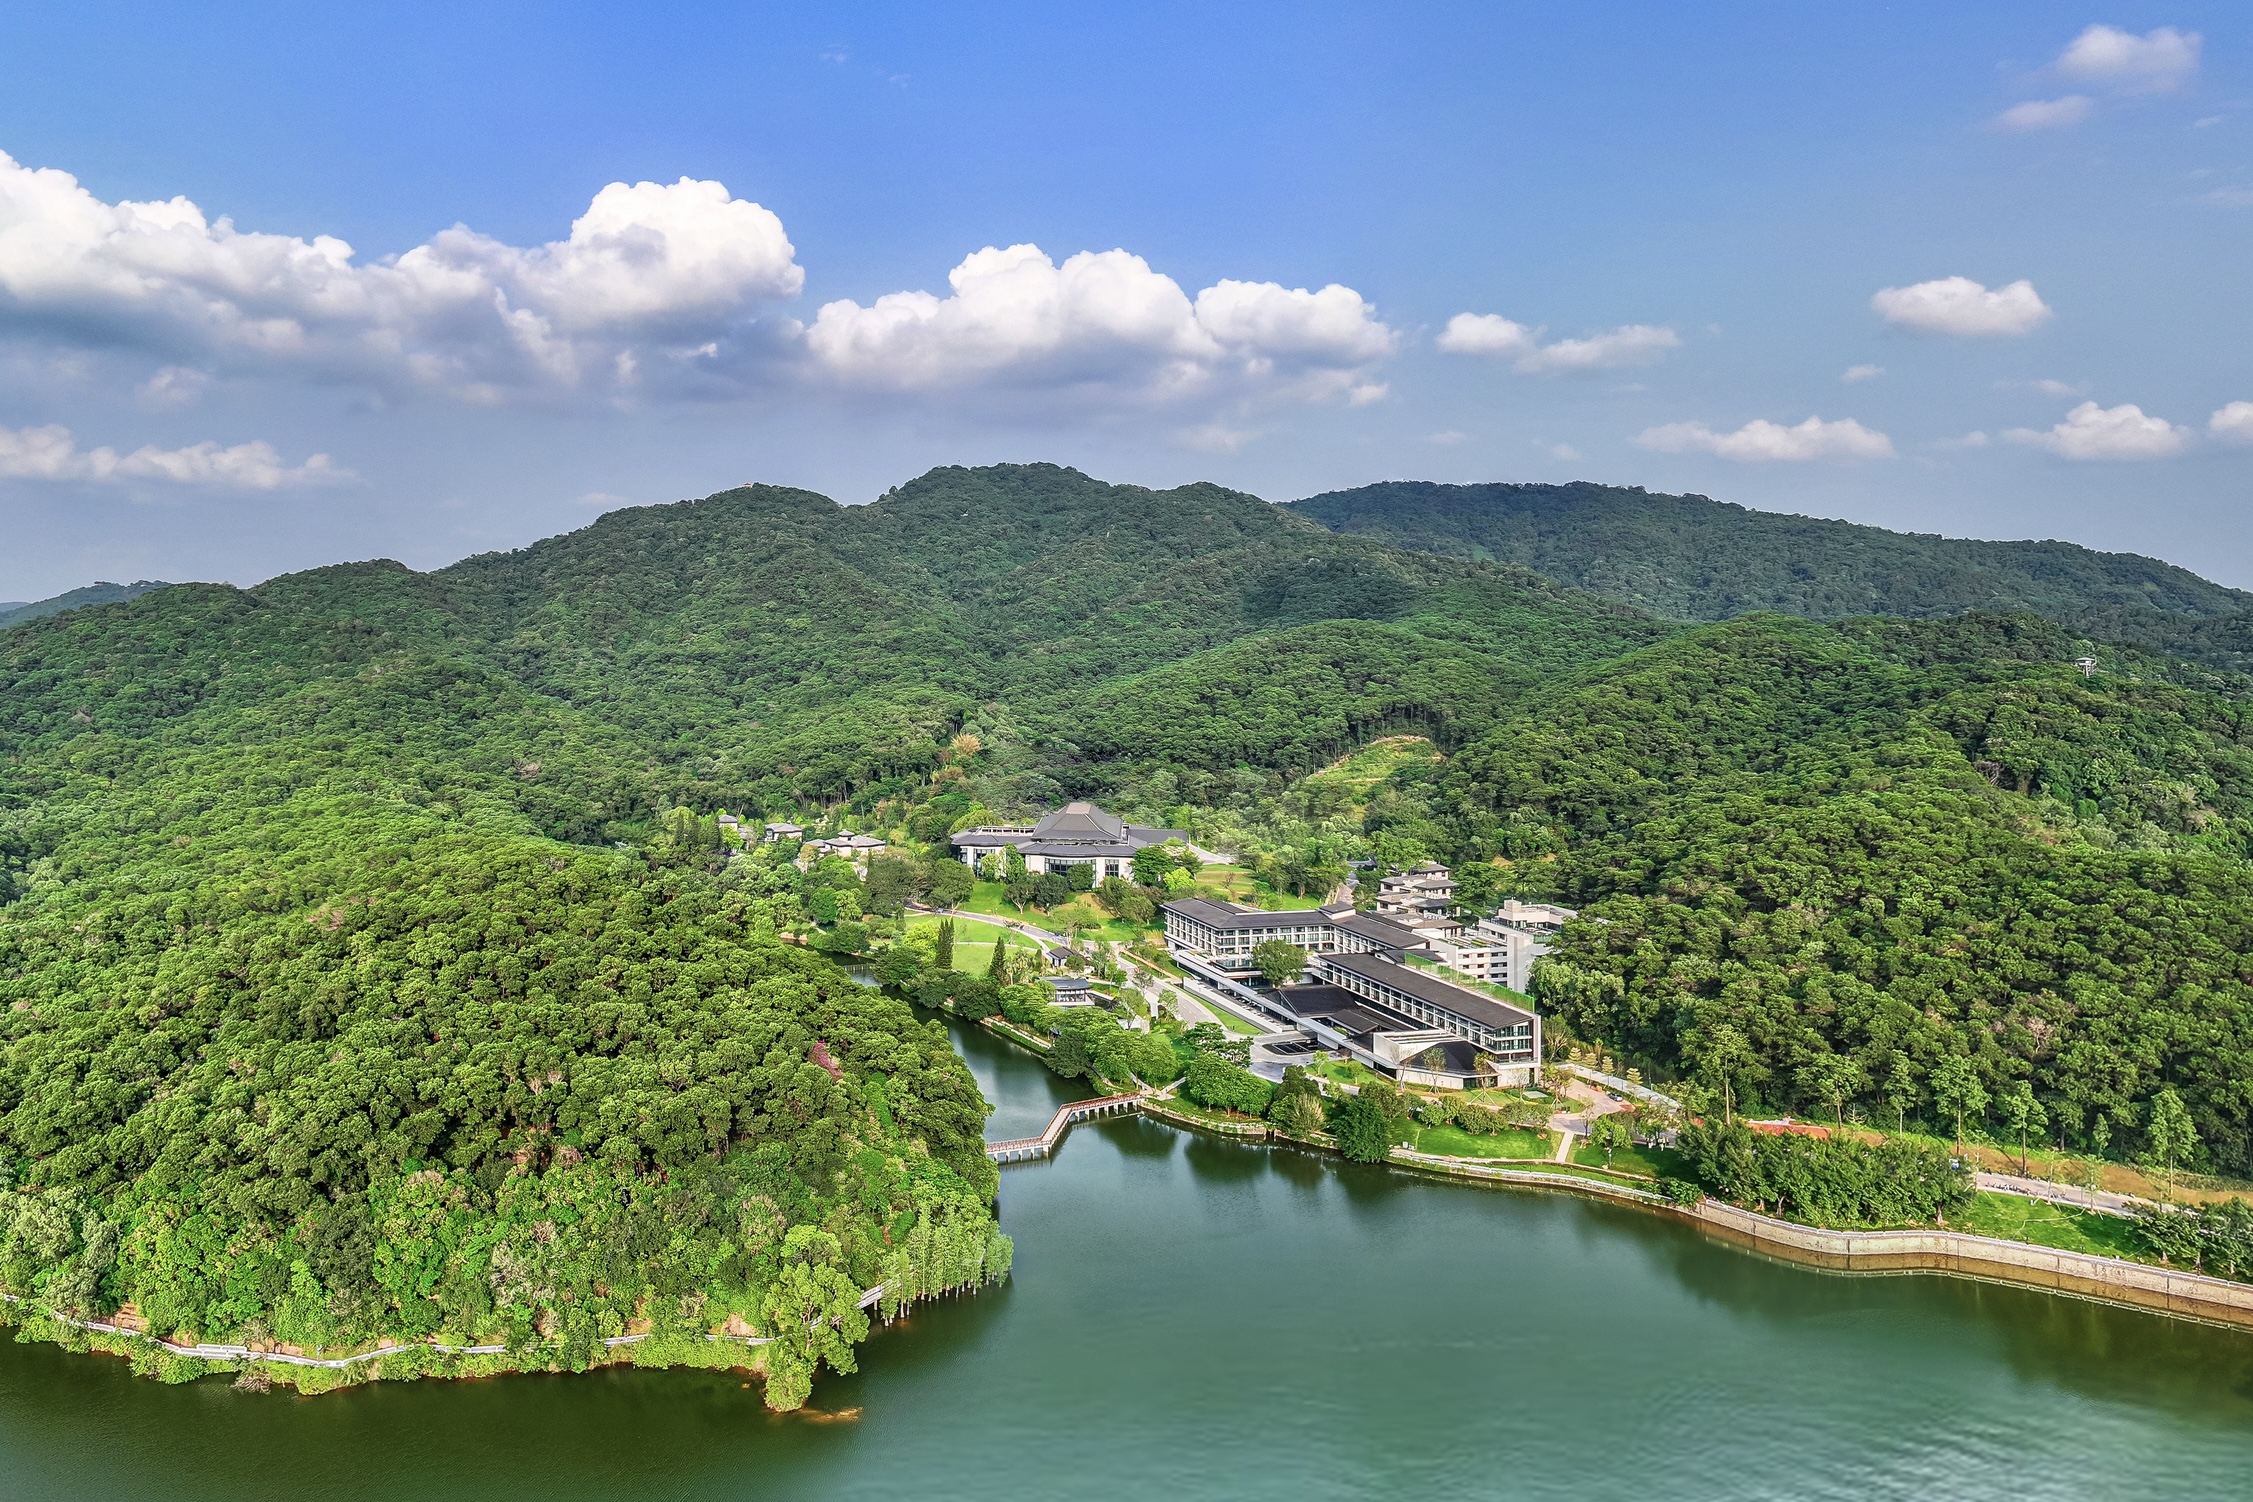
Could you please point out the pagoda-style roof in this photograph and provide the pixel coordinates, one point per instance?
(1080, 821)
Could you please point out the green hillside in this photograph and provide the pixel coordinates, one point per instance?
(358, 982)
(1687, 558)
(16, 612)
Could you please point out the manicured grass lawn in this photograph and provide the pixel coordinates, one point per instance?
(2015, 1219)
(1345, 1073)
(986, 897)
(1234, 1023)
(1454, 1142)
(970, 931)
(1651, 1162)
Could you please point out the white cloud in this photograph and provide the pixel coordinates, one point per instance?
(646, 264)
(1104, 319)
(2157, 61)
(1564, 451)
(1492, 334)
(1972, 440)
(1447, 436)
(51, 453)
(1958, 305)
(2050, 387)
(1761, 441)
(2229, 198)
(2046, 114)
(174, 386)
(1855, 373)
(2093, 432)
(2233, 423)
(1486, 334)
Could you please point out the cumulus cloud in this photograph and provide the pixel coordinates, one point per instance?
(1856, 373)
(2233, 423)
(659, 289)
(2093, 432)
(647, 264)
(1762, 442)
(1960, 306)
(1492, 334)
(52, 453)
(2155, 62)
(1104, 319)
(2046, 114)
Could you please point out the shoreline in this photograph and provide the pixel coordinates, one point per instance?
(2152, 1289)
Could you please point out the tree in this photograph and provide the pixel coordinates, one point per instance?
(822, 905)
(2171, 1133)
(1069, 1057)
(1022, 889)
(1901, 1091)
(1152, 864)
(1608, 1134)
(1080, 876)
(1956, 1089)
(1051, 890)
(2025, 1115)
(997, 964)
(1297, 1115)
(1279, 960)
(1833, 1077)
(891, 882)
(942, 954)
(1362, 1132)
(1178, 880)
(814, 1312)
(951, 883)
(1725, 1052)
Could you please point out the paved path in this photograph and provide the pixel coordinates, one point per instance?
(2059, 1194)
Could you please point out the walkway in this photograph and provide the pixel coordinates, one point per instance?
(2059, 1194)
(1018, 1149)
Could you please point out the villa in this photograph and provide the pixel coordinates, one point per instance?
(1078, 834)
(856, 848)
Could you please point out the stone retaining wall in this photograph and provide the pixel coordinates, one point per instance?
(2164, 1289)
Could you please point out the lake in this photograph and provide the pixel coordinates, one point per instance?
(1195, 1319)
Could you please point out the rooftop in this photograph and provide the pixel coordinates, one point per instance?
(1431, 990)
(1228, 915)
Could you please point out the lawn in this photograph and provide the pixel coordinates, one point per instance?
(971, 931)
(1232, 1022)
(1650, 1162)
(1344, 1072)
(2013, 1218)
(1454, 1142)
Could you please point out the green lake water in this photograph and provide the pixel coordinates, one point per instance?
(1194, 1319)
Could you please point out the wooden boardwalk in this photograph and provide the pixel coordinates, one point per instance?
(1018, 1149)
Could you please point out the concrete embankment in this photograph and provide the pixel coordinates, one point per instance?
(2139, 1285)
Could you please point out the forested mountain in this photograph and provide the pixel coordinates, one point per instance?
(349, 987)
(1688, 558)
(15, 613)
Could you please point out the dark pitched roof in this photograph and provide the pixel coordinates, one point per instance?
(1079, 821)
(1430, 989)
(1379, 930)
(1221, 915)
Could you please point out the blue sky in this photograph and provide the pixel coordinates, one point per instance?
(1331, 244)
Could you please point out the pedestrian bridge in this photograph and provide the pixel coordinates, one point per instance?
(1018, 1149)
